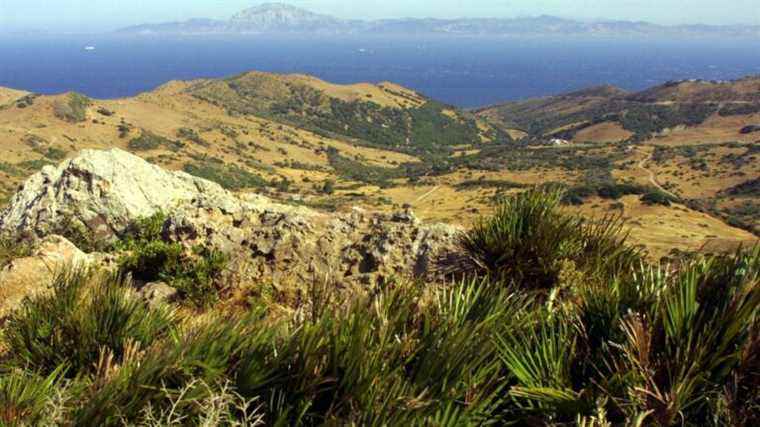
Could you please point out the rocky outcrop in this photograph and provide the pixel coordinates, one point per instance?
(104, 191)
(31, 275)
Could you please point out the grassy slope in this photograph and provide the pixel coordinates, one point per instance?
(644, 113)
(264, 151)
(679, 117)
(379, 116)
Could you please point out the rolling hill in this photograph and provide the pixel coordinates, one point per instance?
(643, 114)
(696, 133)
(383, 116)
(383, 147)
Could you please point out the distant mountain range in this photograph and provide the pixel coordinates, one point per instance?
(276, 18)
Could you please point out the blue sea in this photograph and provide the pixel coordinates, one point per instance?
(467, 71)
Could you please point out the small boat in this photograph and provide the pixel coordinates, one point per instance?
(89, 48)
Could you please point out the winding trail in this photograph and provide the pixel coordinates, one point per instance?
(653, 177)
(422, 197)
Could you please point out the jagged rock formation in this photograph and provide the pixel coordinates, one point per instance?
(103, 192)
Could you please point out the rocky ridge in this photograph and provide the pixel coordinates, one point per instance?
(102, 192)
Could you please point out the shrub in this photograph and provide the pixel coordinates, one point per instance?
(657, 198)
(10, 169)
(359, 171)
(105, 112)
(527, 239)
(700, 328)
(231, 177)
(540, 357)
(74, 110)
(77, 233)
(198, 363)
(149, 258)
(123, 130)
(616, 342)
(150, 141)
(55, 154)
(10, 250)
(28, 399)
(83, 317)
(26, 101)
(192, 136)
(328, 187)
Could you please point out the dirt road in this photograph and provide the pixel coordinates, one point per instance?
(653, 177)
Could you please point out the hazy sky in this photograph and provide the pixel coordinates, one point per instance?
(98, 15)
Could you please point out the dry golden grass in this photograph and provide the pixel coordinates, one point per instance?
(603, 132)
(9, 95)
(661, 229)
(715, 129)
(271, 150)
(680, 174)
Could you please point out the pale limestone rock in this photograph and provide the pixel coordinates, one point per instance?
(105, 191)
(29, 276)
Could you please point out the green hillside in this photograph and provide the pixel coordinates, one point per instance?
(645, 113)
(428, 128)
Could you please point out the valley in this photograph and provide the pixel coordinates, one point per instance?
(672, 161)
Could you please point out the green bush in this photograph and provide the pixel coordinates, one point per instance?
(26, 101)
(359, 171)
(74, 110)
(55, 154)
(123, 130)
(231, 177)
(27, 398)
(81, 320)
(657, 347)
(657, 198)
(80, 235)
(10, 169)
(150, 141)
(328, 187)
(149, 258)
(527, 240)
(105, 112)
(192, 136)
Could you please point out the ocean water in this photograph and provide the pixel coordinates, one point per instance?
(468, 71)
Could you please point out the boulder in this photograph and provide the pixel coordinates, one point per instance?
(105, 191)
(31, 275)
(157, 293)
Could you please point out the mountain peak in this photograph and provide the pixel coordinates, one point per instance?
(279, 17)
(276, 11)
(273, 7)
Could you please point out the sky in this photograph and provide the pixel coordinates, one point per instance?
(104, 15)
